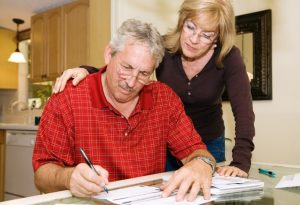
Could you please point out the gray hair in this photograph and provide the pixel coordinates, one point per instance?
(133, 30)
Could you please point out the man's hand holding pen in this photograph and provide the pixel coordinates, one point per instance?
(85, 182)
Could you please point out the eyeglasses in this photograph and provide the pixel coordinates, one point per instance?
(191, 29)
(126, 71)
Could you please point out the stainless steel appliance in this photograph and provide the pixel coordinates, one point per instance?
(18, 166)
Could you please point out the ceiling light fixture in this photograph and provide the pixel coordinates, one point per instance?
(17, 56)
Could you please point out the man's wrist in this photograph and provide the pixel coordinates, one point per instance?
(208, 161)
(67, 174)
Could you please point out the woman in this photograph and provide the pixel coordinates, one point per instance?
(200, 62)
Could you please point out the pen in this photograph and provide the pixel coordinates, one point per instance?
(266, 172)
(87, 160)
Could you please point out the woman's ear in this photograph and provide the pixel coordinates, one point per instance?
(107, 54)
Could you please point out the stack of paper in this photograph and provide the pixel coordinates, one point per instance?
(145, 195)
(226, 185)
(247, 196)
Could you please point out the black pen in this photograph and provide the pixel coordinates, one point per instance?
(87, 160)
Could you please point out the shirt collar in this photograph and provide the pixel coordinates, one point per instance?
(98, 99)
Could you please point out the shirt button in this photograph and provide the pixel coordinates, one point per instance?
(196, 76)
(189, 93)
(126, 134)
(189, 83)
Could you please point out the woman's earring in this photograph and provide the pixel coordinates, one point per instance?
(214, 46)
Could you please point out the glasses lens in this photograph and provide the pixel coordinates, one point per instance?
(191, 29)
(128, 73)
(143, 79)
(205, 39)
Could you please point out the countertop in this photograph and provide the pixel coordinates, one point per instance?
(17, 126)
(269, 195)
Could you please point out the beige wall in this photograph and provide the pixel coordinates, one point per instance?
(277, 121)
(7, 47)
(162, 13)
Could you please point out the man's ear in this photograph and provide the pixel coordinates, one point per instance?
(107, 54)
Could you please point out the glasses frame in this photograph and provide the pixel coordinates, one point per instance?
(127, 72)
(201, 36)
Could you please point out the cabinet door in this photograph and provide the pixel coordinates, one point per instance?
(38, 39)
(75, 31)
(53, 22)
(2, 157)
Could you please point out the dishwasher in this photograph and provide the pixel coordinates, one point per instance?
(19, 178)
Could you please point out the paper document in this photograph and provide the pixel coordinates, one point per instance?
(289, 181)
(146, 195)
(227, 185)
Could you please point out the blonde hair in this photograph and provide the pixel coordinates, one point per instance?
(222, 15)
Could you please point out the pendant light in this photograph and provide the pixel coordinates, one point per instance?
(17, 56)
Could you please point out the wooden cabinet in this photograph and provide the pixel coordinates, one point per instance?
(75, 29)
(2, 162)
(59, 40)
(37, 47)
(46, 35)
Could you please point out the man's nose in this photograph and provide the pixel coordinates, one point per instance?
(131, 81)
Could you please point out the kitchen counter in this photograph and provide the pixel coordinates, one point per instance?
(17, 126)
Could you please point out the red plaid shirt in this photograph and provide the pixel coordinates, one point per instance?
(81, 117)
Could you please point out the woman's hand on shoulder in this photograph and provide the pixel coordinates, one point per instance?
(231, 171)
(78, 74)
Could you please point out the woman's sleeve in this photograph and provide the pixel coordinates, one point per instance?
(239, 93)
(90, 69)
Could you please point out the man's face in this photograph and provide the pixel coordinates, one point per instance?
(127, 71)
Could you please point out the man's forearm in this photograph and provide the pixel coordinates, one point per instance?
(51, 177)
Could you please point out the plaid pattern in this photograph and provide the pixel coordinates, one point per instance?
(81, 117)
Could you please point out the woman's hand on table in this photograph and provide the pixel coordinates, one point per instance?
(231, 171)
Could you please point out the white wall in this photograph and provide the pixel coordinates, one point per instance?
(277, 121)
(161, 13)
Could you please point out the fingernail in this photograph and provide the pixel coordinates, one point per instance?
(102, 184)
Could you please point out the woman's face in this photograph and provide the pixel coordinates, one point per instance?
(197, 36)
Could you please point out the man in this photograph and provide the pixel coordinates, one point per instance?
(124, 123)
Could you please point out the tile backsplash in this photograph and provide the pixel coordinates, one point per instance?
(7, 97)
(8, 115)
